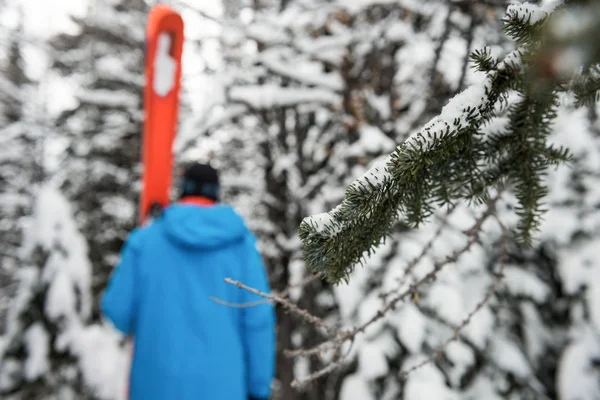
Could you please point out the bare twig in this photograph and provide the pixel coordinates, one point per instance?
(297, 383)
(340, 337)
(316, 321)
(474, 237)
(332, 366)
(241, 305)
(283, 294)
(458, 329)
(343, 336)
(415, 261)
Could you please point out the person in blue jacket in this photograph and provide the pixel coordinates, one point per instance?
(162, 294)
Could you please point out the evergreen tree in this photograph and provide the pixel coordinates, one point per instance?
(101, 166)
(49, 349)
(56, 343)
(19, 155)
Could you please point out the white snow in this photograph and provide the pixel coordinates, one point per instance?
(326, 48)
(61, 299)
(111, 67)
(357, 5)
(67, 271)
(301, 368)
(458, 288)
(482, 388)
(560, 223)
(165, 66)
(451, 57)
(447, 300)
(426, 383)
(531, 11)
(452, 114)
(521, 282)
(10, 368)
(349, 296)
(108, 98)
(270, 95)
(266, 33)
(480, 328)
(377, 172)
(103, 362)
(366, 310)
(27, 276)
(37, 342)
(119, 208)
(372, 360)
(462, 357)
(355, 388)
(321, 221)
(372, 140)
(509, 357)
(577, 263)
(577, 377)
(536, 334)
(398, 31)
(43, 19)
(411, 327)
(413, 58)
(308, 73)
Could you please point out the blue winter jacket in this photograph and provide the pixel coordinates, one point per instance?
(165, 292)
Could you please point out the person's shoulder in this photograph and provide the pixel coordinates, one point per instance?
(234, 217)
(137, 235)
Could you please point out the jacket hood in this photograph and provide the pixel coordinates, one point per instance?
(203, 227)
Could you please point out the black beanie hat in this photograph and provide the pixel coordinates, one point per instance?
(200, 180)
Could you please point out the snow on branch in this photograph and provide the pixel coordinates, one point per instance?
(69, 273)
(267, 33)
(108, 98)
(370, 206)
(9, 90)
(449, 159)
(527, 11)
(454, 115)
(271, 95)
(332, 80)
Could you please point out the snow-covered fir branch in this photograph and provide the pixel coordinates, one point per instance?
(449, 159)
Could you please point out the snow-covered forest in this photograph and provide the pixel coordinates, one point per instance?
(487, 285)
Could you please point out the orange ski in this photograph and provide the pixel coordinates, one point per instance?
(164, 45)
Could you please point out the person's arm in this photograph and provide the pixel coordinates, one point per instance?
(258, 328)
(119, 302)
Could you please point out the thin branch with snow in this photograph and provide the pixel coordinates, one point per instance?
(478, 307)
(340, 337)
